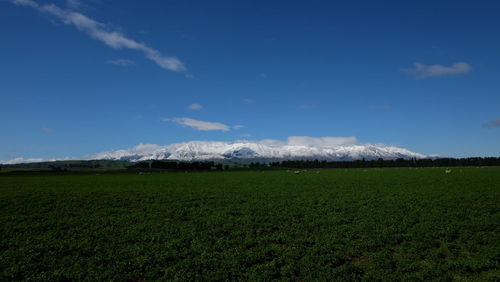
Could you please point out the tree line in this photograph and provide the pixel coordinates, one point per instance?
(438, 162)
(210, 165)
(302, 164)
(173, 165)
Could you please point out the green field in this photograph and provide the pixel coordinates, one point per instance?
(357, 224)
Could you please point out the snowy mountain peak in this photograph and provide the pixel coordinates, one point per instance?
(294, 148)
(245, 150)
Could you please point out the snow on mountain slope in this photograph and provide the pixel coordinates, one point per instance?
(293, 148)
(245, 150)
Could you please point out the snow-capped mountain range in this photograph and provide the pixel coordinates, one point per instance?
(203, 150)
(294, 148)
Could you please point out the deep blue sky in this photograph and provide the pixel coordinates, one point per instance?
(279, 68)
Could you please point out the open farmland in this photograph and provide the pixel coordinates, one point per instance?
(373, 224)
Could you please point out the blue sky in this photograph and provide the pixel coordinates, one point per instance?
(81, 77)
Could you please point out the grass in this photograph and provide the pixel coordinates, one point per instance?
(357, 224)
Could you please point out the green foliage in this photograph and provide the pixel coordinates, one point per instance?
(437, 162)
(73, 165)
(335, 225)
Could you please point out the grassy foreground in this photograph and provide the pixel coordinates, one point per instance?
(358, 224)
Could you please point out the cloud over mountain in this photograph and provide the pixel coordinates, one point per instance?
(321, 141)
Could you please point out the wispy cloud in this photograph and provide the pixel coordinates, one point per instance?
(249, 101)
(321, 141)
(34, 160)
(47, 130)
(73, 4)
(103, 33)
(383, 107)
(120, 62)
(23, 160)
(199, 124)
(426, 71)
(493, 123)
(307, 141)
(195, 107)
(306, 106)
(238, 126)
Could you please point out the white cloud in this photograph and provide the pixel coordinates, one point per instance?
(425, 71)
(101, 32)
(199, 124)
(493, 123)
(321, 141)
(271, 142)
(23, 160)
(195, 107)
(249, 101)
(28, 3)
(33, 160)
(307, 141)
(238, 126)
(120, 62)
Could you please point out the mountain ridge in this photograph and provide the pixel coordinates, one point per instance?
(207, 150)
(295, 148)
